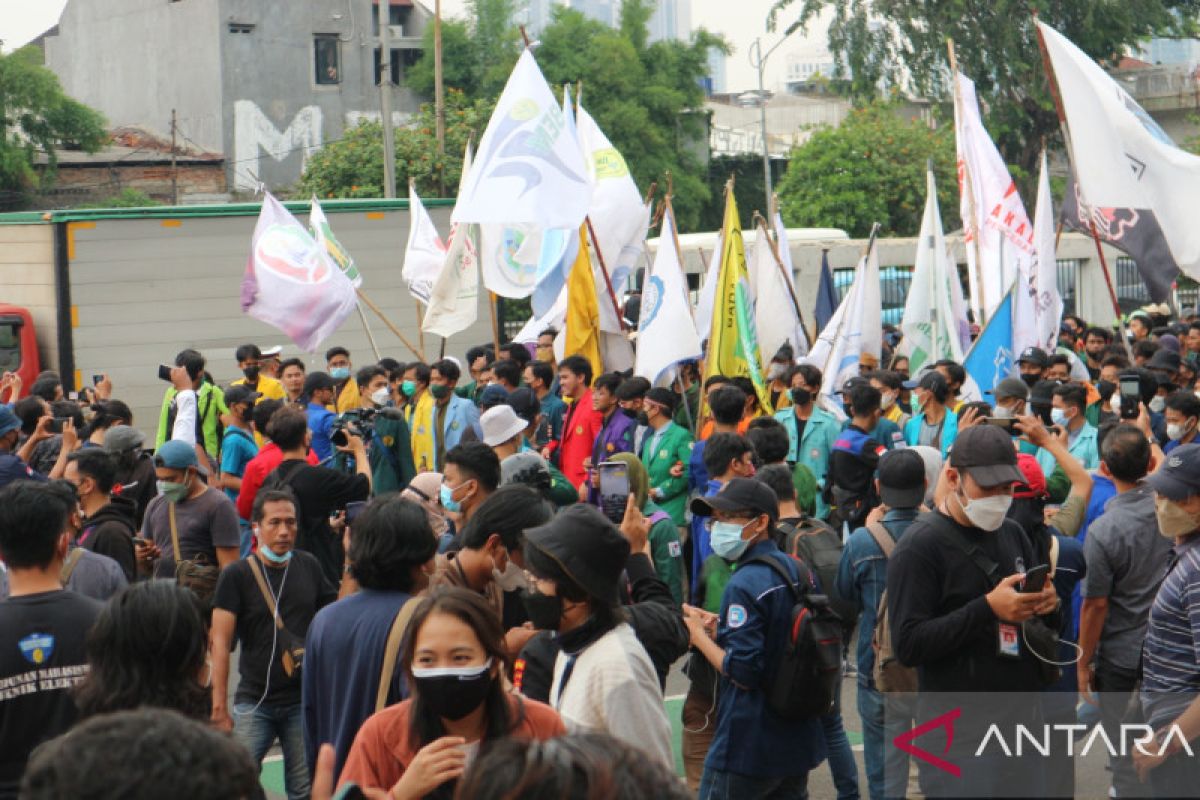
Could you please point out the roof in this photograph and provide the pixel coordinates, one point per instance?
(214, 210)
(117, 155)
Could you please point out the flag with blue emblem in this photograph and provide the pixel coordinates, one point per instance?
(854, 331)
(666, 330)
(992, 358)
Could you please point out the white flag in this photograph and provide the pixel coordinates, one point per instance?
(1141, 188)
(774, 312)
(454, 300)
(854, 330)
(666, 330)
(1004, 229)
(555, 318)
(514, 258)
(935, 322)
(291, 282)
(530, 169)
(323, 233)
(1037, 305)
(425, 253)
(785, 255)
(708, 292)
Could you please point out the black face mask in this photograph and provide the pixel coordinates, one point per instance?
(545, 610)
(453, 693)
(1030, 379)
(629, 412)
(642, 418)
(251, 373)
(1106, 389)
(801, 397)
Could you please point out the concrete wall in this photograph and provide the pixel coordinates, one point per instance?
(135, 60)
(146, 289)
(27, 279)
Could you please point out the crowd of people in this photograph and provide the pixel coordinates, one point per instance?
(499, 561)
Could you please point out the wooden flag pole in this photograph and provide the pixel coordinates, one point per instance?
(762, 223)
(379, 313)
(612, 295)
(370, 336)
(495, 325)
(420, 315)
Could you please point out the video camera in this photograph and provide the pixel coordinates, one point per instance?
(360, 421)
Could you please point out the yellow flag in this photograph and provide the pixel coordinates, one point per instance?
(733, 343)
(583, 309)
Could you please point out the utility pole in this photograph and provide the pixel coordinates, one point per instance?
(439, 97)
(174, 172)
(758, 60)
(385, 100)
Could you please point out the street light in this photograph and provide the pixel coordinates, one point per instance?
(758, 60)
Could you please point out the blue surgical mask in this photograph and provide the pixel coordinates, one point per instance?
(1059, 417)
(726, 540)
(446, 494)
(272, 556)
(339, 373)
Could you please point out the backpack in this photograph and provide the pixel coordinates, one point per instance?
(889, 675)
(808, 677)
(820, 547)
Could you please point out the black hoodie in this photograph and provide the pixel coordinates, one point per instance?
(110, 532)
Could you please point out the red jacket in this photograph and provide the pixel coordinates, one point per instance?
(581, 425)
(257, 471)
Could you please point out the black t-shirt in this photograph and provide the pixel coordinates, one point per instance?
(322, 491)
(42, 656)
(304, 592)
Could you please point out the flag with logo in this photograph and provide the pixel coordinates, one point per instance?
(425, 252)
(935, 320)
(583, 309)
(827, 299)
(733, 343)
(529, 169)
(1037, 305)
(292, 282)
(775, 320)
(854, 331)
(454, 299)
(666, 329)
(323, 233)
(993, 357)
(1139, 189)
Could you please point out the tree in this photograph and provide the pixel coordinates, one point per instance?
(36, 117)
(896, 42)
(870, 169)
(458, 66)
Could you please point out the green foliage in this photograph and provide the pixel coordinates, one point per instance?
(996, 46)
(126, 198)
(37, 117)
(748, 189)
(458, 68)
(870, 169)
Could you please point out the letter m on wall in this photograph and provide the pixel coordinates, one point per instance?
(255, 136)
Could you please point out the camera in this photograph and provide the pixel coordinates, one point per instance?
(360, 421)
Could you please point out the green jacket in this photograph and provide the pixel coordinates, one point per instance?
(562, 493)
(666, 551)
(391, 474)
(673, 446)
(210, 405)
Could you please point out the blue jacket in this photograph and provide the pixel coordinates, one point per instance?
(756, 615)
(701, 546)
(320, 422)
(1083, 447)
(862, 577)
(912, 430)
(813, 448)
(460, 414)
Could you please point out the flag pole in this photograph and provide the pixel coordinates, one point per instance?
(816, 332)
(420, 315)
(762, 223)
(612, 295)
(967, 188)
(379, 313)
(687, 411)
(370, 336)
(1052, 81)
(495, 325)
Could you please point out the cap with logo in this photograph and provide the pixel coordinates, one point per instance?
(740, 494)
(1034, 355)
(901, 479)
(986, 453)
(853, 383)
(1179, 478)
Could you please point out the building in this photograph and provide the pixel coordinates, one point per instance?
(535, 15)
(807, 65)
(261, 85)
(736, 122)
(672, 19)
(715, 80)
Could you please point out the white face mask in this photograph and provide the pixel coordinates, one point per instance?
(1173, 521)
(1002, 412)
(886, 401)
(1177, 430)
(775, 372)
(380, 396)
(985, 513)
(511, 579)
(1158, 404)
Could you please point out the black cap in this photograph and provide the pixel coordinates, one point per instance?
(664, 397)
(315, 381)
(1042, 393)
(1034, 355)
(1165, 360)
(901, 478)
(524, 401)
(738, 495)
(581, 545)
(854, 382)
(1179, 478)
(240, 393)
(492, 395)
(987, 454)
(1011, 387)
(930, 380)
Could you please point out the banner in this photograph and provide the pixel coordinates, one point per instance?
(775, 319)
(855, 330)
(993, 358)
(425, 252)
(1037, 305)
(666, 329)
(800, 343)
(324, 236)
(291, 281)
(582, 334)
(454, 299)
(708, 292)
(827, 300)
(530, 169)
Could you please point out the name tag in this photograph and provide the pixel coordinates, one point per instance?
(1009, 640)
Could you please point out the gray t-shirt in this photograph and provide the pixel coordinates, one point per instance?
(1126, 561)
(94, 575)
(205, 522)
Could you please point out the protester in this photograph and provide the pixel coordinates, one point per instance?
(268, 458)
(955, 377)
(1010, 395)
(209, 405)
(1033, 363)
(291, 376)
(454, 661)
(472, 473)
(727, 404)
(135, 468)
(424, 490)
(389, 447)
(890, 386)
(1095, 341)
(615, 434)
(665, 548)
(539, 376)
(665, 452)
(811, 430)
(250, 361)
(1182, 414)
(1067, 414)
(849, 485)
(238, 448)
(581, 423)
(341, 370)
(319, 388)
(109, 523)
(932, 424)
(266, 603)
(13, 461)
(438, 426)
(726, 456)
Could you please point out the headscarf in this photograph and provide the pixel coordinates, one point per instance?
(424, 490)
(639, 479)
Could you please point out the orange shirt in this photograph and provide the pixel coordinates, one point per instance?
(383, 749)
(743, 426)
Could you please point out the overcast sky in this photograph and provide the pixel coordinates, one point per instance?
(22, 20)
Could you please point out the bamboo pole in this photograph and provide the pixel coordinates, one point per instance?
(612, 295)
(367, 328)
(379, 313)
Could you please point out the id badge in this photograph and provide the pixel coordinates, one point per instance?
(1009, 636)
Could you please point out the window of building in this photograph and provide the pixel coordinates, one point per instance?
(241, 27)
(327, 58)
(397, 15)
(401, 60)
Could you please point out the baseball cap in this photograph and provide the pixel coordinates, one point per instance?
(1179, 478)
(271, 352)
(1034, 484)
(500, 423)
(1011, 387)
(525, 403)
(120, 438)
(853, 383)
(1042, 393)
(176, 454)
(528, 468)
(901, 479)
(240, 393)
(987, 454)
(315, 381)
(493, 395)
(737, 495)
(664, 397)
(1034, 355)
(930, 380)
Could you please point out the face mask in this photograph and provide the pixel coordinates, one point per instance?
(251, 373)
(642, 419)
(1106, 388)
(1114, 404)
(726, 540)
(1158, 404)
(174, 492)
(440, 391)
(1173, 521)
(545, 610)
(775, 372)
(453, 692)
(801, 397)
(380, 396)
(339, 373)
(1177, 431)
(985, 513)
(511, 579)
(446, 494)
(631, 413)
(887, 401)
(1030, 380)
(409, 388)
(1058, 416)
(272, 556)
(1002, 412)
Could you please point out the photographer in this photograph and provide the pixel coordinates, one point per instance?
(384, 430)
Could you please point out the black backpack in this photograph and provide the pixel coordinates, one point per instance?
(820, 547)
(809, 673)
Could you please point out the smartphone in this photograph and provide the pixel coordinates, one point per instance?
(164, 372)
(56, 424)
(1008, 424)
(353, 509)
(1035, 579)
(1131, 395)
(97, 378)
(614, 489)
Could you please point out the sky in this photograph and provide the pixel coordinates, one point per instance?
(22, 20)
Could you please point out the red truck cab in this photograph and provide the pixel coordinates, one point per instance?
(18, 345)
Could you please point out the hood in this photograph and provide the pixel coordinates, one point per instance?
(119, 509)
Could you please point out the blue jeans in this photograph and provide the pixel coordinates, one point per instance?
(258, 730)
(841, 758)
(718, 785)
(886, 764)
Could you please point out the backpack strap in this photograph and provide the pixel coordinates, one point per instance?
(990, 568)
(391, 651)
(261, 580)
(174, 532)
(793, 586)
(69, 564)
(882, 537)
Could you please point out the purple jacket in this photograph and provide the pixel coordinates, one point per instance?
(616, 436)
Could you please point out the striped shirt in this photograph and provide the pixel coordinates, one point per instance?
(1171, 656)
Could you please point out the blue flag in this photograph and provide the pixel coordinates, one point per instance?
(827, 300)
(991, 359)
